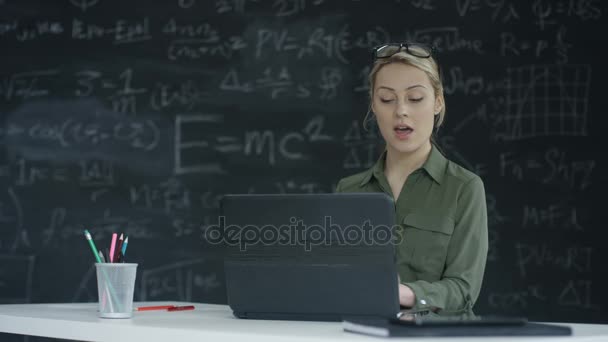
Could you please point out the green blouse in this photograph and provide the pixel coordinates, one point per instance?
(442, 215)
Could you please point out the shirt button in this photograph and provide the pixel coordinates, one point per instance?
(423, 302)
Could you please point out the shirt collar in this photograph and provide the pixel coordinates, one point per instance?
(435, 166)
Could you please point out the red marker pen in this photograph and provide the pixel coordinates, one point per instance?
(158, 307)
(181, 308)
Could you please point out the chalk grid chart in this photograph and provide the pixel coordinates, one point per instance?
(546, 100)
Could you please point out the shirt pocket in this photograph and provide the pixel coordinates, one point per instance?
(428, 238)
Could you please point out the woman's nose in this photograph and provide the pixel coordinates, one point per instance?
(401, 109)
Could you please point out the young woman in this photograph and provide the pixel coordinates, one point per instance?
(440, 206)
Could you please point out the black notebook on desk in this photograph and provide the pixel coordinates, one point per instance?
(480, 326)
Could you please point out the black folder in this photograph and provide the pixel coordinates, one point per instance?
(481, 326)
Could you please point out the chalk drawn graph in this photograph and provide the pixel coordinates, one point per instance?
(546, 100)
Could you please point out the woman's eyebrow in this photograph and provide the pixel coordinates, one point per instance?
(408, 88)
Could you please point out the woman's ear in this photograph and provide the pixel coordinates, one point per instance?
(438, 104)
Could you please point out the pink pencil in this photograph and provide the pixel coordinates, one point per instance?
(112, 246)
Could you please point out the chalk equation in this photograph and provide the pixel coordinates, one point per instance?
(28, 84)
(548, 13)
(196, 154)
(576, 259)
(552, 216)
(554, 167)
(71, 133)
(65, 224)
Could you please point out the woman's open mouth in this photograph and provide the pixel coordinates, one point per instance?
(403, 132)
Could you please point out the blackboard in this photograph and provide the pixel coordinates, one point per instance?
(137, 116)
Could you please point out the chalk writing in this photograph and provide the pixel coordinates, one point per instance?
(547, 12)
(121, 32)
(267, 142)
(571, 293)
(576, 173)
(318, 42)
(84, 4)
(171, 195)
(123, 96)
(291, 7)
(279, 82)
(573, 259)
(291, 186)
(228, 6)
(423, 4)
(510, 45)
(87, 288)
(517, 299)
(553, 168)
(454, 80)
(363, 77)
(8, 26)
(553, 216)
(58, 219)
(11, 221)
(199, 40)
(198, 48)
(495, 217)
(180, 281)
(446, 39)
(362, 146)
(561, 46)
(502, 11)
(63, 226)
(577, 293)
(184, 145)
(186, 3)
(27, 85)
(94, 173)
(187, 94)
(38, 30)
(138, 135)
(29, 174)
(200, 30)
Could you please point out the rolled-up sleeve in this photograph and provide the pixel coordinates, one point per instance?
(459, 287)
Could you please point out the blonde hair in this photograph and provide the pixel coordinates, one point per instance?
(428, 65)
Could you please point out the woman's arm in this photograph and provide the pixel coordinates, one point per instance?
(460, 284)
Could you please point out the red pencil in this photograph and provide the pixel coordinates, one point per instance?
(181, 308)
(158, 307)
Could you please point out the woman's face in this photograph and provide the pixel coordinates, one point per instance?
(404, 103)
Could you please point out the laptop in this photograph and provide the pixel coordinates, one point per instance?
(318, 257)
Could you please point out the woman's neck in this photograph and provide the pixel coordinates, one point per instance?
(402, 164)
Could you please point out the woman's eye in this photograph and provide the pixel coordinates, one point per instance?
(418, 99)
(386, 100)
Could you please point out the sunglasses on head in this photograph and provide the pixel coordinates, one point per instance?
(414, 49)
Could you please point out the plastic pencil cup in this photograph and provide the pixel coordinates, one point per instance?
(115, 286)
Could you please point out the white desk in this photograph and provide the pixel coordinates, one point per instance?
(207, 323)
